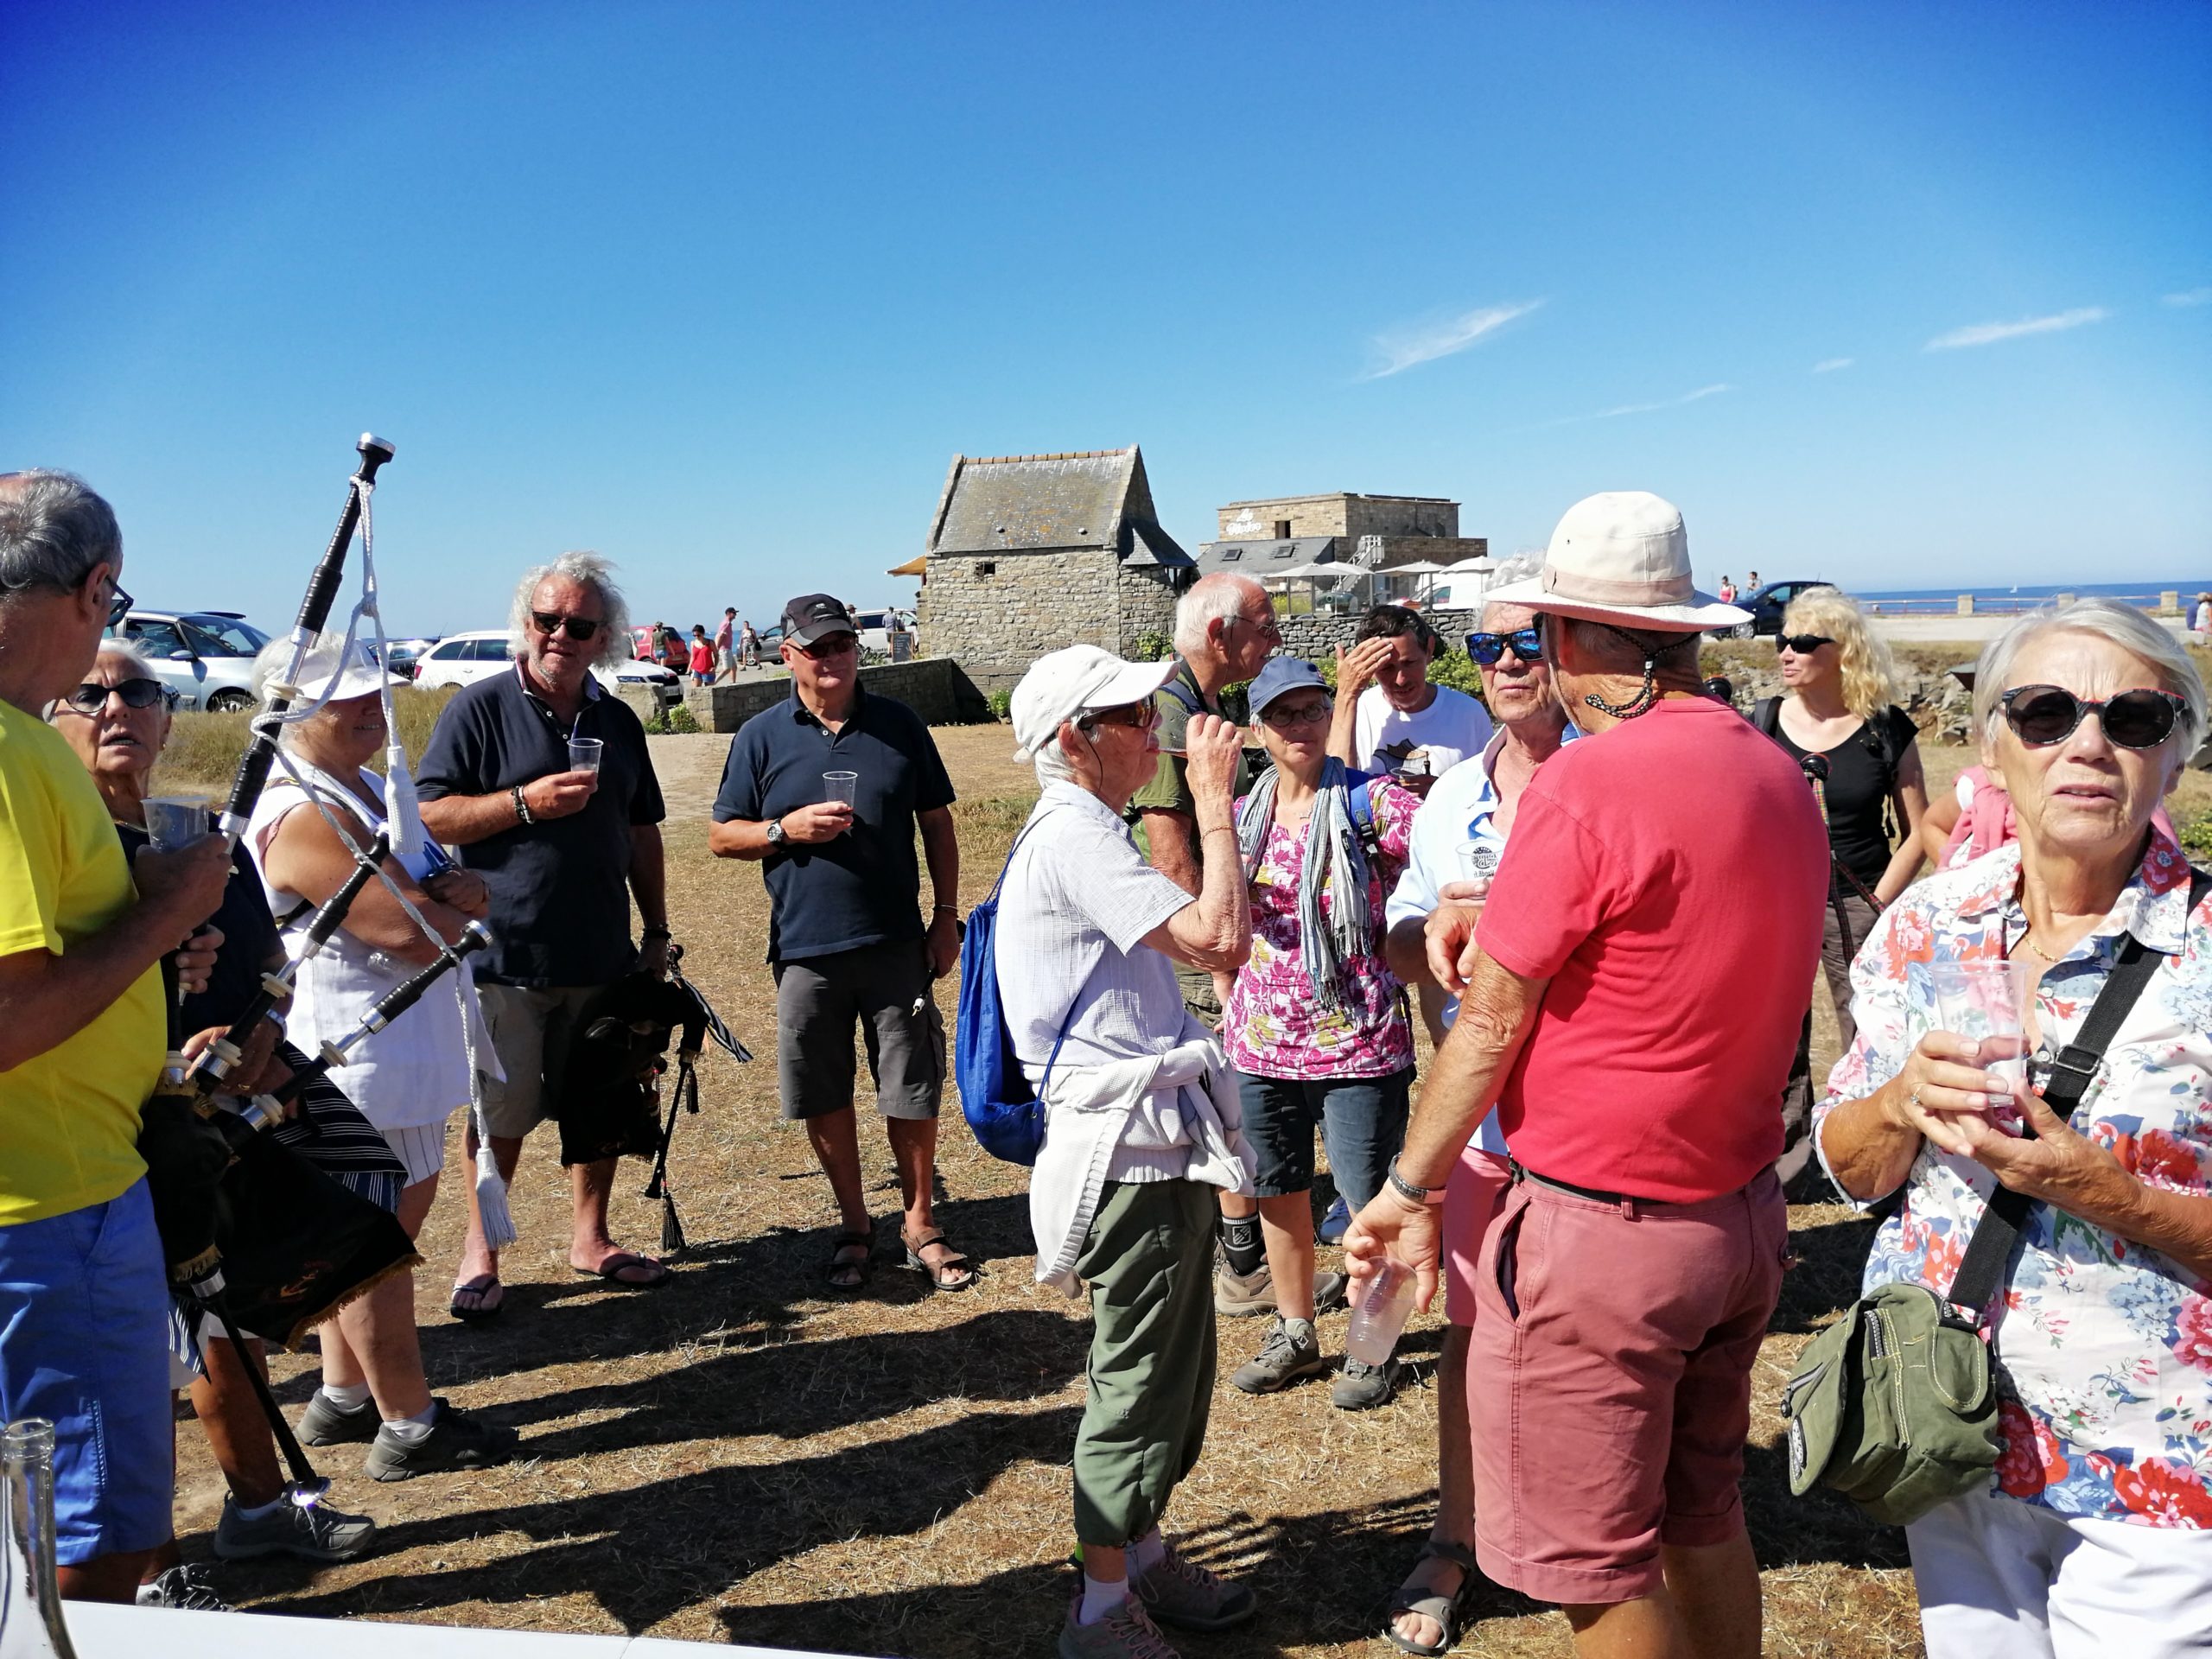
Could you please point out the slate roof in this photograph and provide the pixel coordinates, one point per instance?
(1257, 559)
(1071, 501)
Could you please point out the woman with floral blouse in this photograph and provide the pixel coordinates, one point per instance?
(1316, 1024)
(2096, 1533)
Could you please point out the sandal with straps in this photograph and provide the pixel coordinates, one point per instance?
(1445, 1610)
(935, 1271)
(841, 1263)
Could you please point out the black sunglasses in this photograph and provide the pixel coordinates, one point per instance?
(2043, 714)
(118, 607)
(90, 699)
(576, 628)
(1803, 644)
(835, 645)
(1527, 643)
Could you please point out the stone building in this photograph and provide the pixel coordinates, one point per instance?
(1029, 553)
(1376, 531)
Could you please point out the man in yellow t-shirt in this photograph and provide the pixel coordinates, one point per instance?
(83, 1297)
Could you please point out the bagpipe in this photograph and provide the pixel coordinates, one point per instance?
(607, 1096)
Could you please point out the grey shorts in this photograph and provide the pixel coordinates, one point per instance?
(886, 987)
(530, 1030)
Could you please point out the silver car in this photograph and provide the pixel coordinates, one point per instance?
(205, 657)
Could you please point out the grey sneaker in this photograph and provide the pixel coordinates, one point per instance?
(187, 1587)
(326, 1423)
(316, 1533)
(1127, 1632)
(1358, 1387)
(1186, 1595)
(1247, 1295)
(456, 1441)
(1291, 1350)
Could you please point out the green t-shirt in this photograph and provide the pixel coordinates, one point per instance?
(1170, 789)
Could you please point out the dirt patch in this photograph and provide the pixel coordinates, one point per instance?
(741, 1456)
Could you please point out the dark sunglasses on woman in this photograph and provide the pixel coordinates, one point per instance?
(2043, 715)
(1803, 644)
(578, 628)
(90, 699)
(1139, 714)
(1527, 643)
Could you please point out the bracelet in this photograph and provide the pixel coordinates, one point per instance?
(656, 933)
(950, 910)
(1405, 1189)
(1219, 829)
(522, 807)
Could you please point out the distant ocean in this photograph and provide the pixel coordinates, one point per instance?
(1999, 600)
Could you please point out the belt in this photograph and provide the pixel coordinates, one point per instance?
(1627, 1201)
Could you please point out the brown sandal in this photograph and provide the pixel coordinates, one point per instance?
(934, 1271)
(839, 1263)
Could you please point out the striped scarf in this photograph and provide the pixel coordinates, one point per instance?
(1335, 864)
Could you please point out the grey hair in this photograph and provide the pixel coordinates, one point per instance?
(1521, 567)
(2107, 619)
(1052, 764)
(53, 528)
(129, 656)
(1210, 598)
(592, 570)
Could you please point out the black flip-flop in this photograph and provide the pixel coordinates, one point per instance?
(481, 1285)
(606, 1270)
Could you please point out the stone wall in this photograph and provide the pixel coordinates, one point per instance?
(934, 688)
(1337, 514)
(999, 615)
(1315, 637)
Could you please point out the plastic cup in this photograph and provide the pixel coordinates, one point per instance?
(841, 787)
(1986, 1000)
(174, 821)
(1372, 1332)
(1478, 861)
(584, 752)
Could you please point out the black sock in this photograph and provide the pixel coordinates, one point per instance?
(1241, 1243)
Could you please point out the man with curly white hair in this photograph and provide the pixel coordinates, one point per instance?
(566, 835)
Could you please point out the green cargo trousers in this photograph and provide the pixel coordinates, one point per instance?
(1149, 1262)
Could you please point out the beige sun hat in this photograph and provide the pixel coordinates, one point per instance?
(1624, 557)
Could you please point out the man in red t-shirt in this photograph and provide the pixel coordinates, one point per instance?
(1634, 993)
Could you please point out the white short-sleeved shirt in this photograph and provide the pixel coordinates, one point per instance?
(1454, 727)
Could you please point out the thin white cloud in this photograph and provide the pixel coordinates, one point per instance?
(1988, 333)
(1634, 408)
(1401, 348)
(2191, 296)
(1830, 364)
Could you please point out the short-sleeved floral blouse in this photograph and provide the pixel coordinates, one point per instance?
(2103, 1347)
(1273, 1026)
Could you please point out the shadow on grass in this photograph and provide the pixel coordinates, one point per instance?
(1824, 1279)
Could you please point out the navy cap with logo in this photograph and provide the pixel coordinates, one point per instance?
(813, 616)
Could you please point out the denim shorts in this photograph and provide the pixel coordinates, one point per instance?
(1361, 1119)
(84, 1342)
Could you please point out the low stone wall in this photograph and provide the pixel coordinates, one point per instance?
(937, 689)
(1316, 636)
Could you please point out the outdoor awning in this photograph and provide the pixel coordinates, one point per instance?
(913, 567)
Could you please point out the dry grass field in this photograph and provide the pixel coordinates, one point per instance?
(743, 1456)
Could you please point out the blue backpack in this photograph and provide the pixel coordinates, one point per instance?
(1001, 1109)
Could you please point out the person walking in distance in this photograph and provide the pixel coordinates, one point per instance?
(825, 791)
(566, 835)
(724, 644)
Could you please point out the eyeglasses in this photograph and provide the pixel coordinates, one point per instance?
(576, 628)
(835, 644)
(1269, 627)
(90, 699)
(1803, 644)
(1527, 643)
(1306, 714)
(2043, 715)
(1141, 716)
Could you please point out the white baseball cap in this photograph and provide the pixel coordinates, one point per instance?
(322, 675)
(1622, 556)
(1064, 683)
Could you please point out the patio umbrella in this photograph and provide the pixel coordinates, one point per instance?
(1481, 564)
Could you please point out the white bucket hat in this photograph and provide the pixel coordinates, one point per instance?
(1064, 683)
(1622, 558)
(322, 675)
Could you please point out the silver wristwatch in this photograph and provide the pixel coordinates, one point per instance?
(775, 832)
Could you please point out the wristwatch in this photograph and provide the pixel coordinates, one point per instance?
(1405, 1189)
(775, 832)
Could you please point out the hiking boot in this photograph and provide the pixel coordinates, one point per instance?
(1247, 1295)
(325, 1422)
(456, 1441)
(1328, 1292)
(1360, 1387)
(1186, 1595)
(1291, 1350)
(186, 1587)
(1127, 1632)
(313, 1532)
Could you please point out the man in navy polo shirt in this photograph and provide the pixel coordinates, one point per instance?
(826, 790)
(565, 848)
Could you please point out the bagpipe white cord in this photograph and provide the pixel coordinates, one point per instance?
(404, 823)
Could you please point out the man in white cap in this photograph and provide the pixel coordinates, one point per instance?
(1141, 1124)
(1631, 1007)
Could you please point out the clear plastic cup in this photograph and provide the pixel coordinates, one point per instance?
(841, 785)
(1372, 1332)
(174, 821)
(584, 753)
(1478, 861)
(1986, 1000)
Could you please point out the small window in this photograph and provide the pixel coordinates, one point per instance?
(1231, 554)
(1282, 530)
(489, 650)
(987, 568)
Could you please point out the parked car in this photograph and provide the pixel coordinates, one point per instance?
(1767, 605)
(205, 657)
(875, 627)
(465, 658)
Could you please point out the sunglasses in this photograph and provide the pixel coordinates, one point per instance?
(1308, 714)
(835, 644)
(1141, 716)
(90, 699)
(2043, 714)
(1803, 644)
(1527, 643)
(118, 607)
(576, 628)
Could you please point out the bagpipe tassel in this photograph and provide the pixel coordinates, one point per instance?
(671, 1229)
(500, 1230)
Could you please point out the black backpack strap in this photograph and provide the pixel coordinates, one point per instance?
(1989, 1255)
(1766, 715)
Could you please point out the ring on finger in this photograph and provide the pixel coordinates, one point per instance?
(1913, 1100)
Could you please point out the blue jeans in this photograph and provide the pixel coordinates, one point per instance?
(1361, 1119)
(84, 1342)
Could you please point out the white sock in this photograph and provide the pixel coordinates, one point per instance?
(411, 1431)
(1100, 1599)
(257, 1511)
(346, 1398)
(1148, 1551)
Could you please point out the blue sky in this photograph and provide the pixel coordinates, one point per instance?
(720, 289)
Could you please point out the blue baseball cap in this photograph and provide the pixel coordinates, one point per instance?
(1283, 674)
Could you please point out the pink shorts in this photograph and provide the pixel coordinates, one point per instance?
(1609, 1383)
(1478, 1182)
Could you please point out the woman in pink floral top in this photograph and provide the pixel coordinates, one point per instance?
(1316, 1024)
(2097, 1533)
